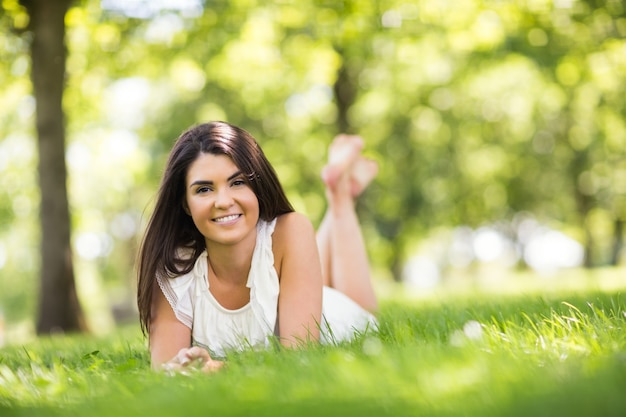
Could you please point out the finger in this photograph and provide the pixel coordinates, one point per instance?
(182, 357)
(197, 352)
(212, 366)
(171, 367)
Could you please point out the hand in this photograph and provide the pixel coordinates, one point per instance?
(193, 358)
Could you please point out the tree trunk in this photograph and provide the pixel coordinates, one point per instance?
(59, 309)
(345, 93)
(584, 205)
(618, 241)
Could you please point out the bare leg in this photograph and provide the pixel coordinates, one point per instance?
(323, 245)
(342, 248)
(363, 172)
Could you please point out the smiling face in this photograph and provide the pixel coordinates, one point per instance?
(219, 200)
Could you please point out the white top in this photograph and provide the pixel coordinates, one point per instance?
(219, 329)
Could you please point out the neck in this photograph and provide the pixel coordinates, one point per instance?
(231, 263)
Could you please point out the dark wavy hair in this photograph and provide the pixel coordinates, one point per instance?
(171, 229)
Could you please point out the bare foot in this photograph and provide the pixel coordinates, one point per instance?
(342, 155)
(363, 172)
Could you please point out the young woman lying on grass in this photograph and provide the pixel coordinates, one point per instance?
(227, 264)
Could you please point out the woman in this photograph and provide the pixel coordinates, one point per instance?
(226, 263)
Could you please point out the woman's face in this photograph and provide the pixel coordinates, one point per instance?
(221, 203)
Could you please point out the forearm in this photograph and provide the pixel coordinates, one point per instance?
(193, 358)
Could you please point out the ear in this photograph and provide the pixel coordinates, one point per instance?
(186, 208)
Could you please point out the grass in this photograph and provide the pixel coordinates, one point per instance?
(536, 354)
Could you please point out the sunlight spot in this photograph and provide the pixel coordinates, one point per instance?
(488, 29)
(187, 75)
(16, 149)
(421, 272)
(162, 29)
(124, 226)
(78, 156)
(146, 9)
(309, 102)
(438, 71)
(20, 66)
(488, 244)
(108, 37)
(427, 120)
(296, 105)
(3, 256)
(26, 108)
(549, 250)
(120, 144)
(473, 330)
(391, 19)
(93, 245)
(461, 252)
(125, 101)
(372, 346)
(4, 158)
(563, 4)
(2, 327)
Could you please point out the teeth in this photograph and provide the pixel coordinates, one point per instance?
(226, 219)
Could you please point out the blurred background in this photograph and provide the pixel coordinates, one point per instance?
(499, 127)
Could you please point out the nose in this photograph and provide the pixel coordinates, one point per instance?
(223, 199)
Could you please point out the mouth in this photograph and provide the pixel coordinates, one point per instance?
(226, 219)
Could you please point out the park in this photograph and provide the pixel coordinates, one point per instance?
(494, 228)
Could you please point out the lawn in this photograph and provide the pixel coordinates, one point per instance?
(556, 352)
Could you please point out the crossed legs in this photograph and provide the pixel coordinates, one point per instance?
(345, 265)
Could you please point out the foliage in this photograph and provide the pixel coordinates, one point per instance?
(475, 110)
(544, 354)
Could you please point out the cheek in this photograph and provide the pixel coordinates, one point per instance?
(187, 205)
(254, 201)
(193, 206)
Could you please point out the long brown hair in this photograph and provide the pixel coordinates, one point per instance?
(171, 229)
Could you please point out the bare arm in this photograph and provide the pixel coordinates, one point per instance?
(170, 341)
(167, 334)
(300, 272)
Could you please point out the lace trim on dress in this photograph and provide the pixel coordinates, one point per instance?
(172, 299)
(262, 279)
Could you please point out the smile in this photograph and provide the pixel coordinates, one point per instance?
(226, 219)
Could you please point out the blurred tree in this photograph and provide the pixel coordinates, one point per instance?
(579, 136)
(59, 308)
(484, 110)
(476, 111)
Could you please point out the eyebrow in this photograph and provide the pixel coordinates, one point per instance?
(205, 182)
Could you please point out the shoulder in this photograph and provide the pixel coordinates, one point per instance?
(293, 231)
(291, 225)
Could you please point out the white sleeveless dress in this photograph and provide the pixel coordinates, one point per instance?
(219, 330)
